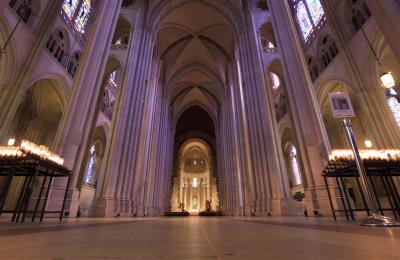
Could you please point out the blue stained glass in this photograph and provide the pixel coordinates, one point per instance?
(69, 7)
(304, 20)
(395, 108)
(83, 16)
(90, 171)
(295, 165)
(316, 10)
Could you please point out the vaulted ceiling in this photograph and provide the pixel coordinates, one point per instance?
(195, 44)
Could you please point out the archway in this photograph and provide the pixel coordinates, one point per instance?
(194, 176)
(195, 44)
(92, 171)
(195, 184)
(38, 116)
(37, 119)
(97, 147)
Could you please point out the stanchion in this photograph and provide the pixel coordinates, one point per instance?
(375, 219)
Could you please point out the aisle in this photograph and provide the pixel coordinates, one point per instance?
(197, 238)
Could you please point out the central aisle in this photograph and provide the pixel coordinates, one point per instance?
(197, 238)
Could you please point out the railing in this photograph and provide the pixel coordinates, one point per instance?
(119, 46)
(271, 50)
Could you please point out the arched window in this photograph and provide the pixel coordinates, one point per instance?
(360, 13)
(276, 82)
(56, 44)
(69, 7)
(23, 8)
(110, 94)
(309, 15)
(73, 63)
(304, 20)
(316, 11)
(113, 78)
(281, 108)
(394, 104)
(313, 68)
(295, 165)
(328, 51)
(83, 16)
(90, 176)
(78, 13)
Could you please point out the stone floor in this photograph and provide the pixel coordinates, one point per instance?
(197, 238)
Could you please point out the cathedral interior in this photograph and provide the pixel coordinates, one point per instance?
(199, 128)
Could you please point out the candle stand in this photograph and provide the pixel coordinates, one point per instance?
(377, 170)
(37, 174)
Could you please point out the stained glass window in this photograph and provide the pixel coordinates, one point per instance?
(316, 10)
(394, 105)
(271, 45)
(83, 16)
(309, 14)
(91, 168)
(304, 20)
(275, 81)
(113, 78)
(295, 165)
(69, 7)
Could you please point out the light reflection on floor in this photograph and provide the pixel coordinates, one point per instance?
(197, 238)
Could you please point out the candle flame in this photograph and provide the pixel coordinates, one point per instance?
(386, 155)
(27, 147)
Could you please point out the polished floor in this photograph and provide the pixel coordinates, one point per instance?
(197, 238)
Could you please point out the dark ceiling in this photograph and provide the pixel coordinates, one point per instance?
(195, 118)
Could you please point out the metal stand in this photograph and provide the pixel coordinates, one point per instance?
(375, 219)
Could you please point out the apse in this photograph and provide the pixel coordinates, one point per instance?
(194, 179)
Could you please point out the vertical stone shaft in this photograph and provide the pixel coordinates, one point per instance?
(307, 117)
(386, 14)
(269, 192)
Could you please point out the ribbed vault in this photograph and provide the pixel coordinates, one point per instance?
(195, 44)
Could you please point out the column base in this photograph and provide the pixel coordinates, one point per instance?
(104, 207)
(153, 212)
(283, 207)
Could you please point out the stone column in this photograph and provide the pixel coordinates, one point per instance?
(208, 187)
(270, 192)
(190, 194)
(185, 191)
(128, 136)
(74, 131)
(386, 15)
(180, 188)
(242, 159)
(307, 118)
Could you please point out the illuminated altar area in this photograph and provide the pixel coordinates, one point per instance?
(194, 186)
